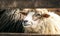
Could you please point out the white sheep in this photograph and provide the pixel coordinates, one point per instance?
(43, 22)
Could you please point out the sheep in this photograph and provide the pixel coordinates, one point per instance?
(42, 21)
(11, 20)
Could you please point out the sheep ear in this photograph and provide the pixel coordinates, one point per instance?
(46, 15)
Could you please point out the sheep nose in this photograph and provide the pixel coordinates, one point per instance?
(25, 22)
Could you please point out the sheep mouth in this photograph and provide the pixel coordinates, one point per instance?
(26, 25)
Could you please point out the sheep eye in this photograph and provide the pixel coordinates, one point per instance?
(37, 14)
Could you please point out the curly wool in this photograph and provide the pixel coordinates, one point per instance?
(50, 25)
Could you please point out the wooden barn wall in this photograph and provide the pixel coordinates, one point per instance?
(29, 3)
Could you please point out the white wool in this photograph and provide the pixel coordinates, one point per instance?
(29, 16)
(50, 25)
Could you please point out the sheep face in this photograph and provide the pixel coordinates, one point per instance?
(32, 20)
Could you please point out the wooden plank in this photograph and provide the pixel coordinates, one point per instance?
(29, 3)
(27, 34)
